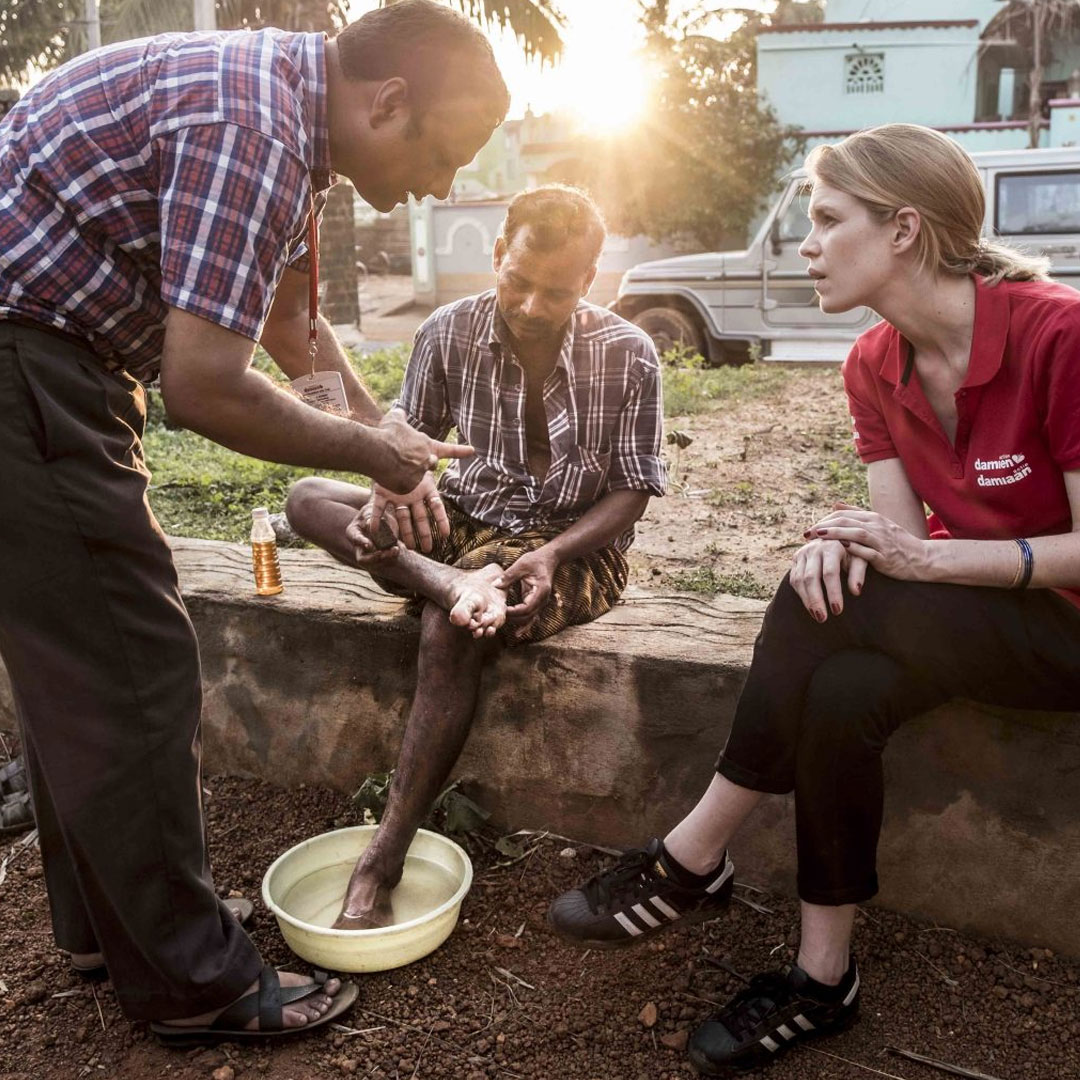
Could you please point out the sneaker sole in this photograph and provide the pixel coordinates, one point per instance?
(693, 919)
(703, 1066)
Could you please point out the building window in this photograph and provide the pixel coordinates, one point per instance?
(864, 73)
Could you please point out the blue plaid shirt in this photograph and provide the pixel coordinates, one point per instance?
(603, 405)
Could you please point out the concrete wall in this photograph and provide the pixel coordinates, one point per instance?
(608, 733)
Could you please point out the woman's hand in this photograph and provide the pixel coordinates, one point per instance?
(887, 547)
(817, 573)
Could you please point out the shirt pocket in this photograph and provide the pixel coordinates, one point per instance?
(582, 479)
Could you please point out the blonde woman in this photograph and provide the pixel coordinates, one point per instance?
(966, 397)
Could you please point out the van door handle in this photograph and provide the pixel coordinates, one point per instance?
(767, 303)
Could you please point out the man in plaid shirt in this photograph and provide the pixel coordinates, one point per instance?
(154, 198)
(561, 402)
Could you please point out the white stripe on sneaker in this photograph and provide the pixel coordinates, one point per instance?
(854, 989)
(729, 869)
(645, 916)
(770, 1044)
(784, 1030)
(627, 924)
(804, 1023)
(664, 908)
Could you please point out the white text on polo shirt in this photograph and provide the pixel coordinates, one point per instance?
(1016, 462)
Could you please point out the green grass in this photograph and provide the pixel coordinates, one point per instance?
(691, 387)
(845, 478)
(705, 581)
(202, 489)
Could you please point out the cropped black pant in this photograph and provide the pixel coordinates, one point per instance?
(822, 699)
(104, 667)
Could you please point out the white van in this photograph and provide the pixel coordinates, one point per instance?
(719, 303)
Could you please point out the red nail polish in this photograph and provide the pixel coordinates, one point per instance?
(846, 543)
(823, 532)
(835, 609)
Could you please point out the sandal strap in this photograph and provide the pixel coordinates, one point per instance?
(270, 1000)
(267, 1002)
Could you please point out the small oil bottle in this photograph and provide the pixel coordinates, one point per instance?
(264, 557)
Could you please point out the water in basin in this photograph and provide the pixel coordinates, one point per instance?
(317, 898)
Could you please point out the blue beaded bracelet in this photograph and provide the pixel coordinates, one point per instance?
(1028, 564)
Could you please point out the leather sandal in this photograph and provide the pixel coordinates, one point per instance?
(267, 1003)
(241, 907)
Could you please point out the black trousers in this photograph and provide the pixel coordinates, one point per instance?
(822, 699)
(105, 670)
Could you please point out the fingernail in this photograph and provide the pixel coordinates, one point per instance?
(856, 589)
(820, 616)
(823, 532)
(846, 543)
(806, 535)
(835, 608)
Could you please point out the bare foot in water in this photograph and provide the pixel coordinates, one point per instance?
(476, 604)
(367, 901)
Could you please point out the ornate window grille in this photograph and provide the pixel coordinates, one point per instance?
(864, 73)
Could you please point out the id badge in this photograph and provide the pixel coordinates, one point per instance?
(325, 390)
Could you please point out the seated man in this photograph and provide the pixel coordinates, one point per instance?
(561, 401)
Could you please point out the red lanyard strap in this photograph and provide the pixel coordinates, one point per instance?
(313, 284)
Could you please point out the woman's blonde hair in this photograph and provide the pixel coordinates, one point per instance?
(898, 165)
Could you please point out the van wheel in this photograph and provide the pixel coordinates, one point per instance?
(670, 329)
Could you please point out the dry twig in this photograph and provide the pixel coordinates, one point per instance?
(857, 1064)
(944, 1066)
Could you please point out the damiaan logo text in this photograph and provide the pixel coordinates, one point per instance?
(1014, 462)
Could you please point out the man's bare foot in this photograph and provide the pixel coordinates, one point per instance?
(294, 1015)
(476, 604)
(367, 907)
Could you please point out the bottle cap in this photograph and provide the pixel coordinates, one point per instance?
(260, 512)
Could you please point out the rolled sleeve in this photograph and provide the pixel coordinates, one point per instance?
(636, 464)
(423, 396)
(230, 199)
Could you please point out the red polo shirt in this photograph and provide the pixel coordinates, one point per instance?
(1018, 415)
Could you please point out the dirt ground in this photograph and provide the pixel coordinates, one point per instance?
(504, 999)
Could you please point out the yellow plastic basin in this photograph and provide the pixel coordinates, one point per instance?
(305, 889)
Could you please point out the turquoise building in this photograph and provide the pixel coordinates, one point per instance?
(921, 61)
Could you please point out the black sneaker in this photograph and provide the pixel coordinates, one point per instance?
(636, 899)
(777, 1010)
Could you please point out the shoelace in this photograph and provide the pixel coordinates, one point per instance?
(766, 993)
(625, 878)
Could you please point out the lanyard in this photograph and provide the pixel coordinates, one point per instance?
(313, 285)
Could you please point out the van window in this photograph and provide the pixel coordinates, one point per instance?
(1034, 203)
(794, 224)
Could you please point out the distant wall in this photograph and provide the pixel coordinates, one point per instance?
(453, 244)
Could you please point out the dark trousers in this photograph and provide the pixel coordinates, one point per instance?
(105, 670)
(822, 699)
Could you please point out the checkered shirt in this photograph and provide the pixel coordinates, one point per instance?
(603, 404)
(174, 171)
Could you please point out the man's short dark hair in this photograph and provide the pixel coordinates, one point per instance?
(438, 52)
(557, 215)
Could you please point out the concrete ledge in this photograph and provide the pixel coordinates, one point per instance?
(609, 732)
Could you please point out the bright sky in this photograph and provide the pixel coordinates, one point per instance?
(600, 77)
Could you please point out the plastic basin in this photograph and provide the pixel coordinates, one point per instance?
(305, 888)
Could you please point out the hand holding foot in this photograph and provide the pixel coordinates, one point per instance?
(477, 604)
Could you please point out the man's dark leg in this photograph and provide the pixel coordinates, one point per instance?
(447, 683)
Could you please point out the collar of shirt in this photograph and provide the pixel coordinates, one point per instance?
(310, 58)
(989, 336)
(500, 340)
